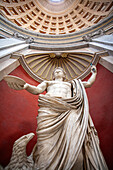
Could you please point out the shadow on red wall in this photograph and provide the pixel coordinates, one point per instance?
(19, 110)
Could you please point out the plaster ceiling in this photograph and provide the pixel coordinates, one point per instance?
(60, 17)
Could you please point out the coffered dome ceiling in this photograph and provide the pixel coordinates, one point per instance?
(55, 16)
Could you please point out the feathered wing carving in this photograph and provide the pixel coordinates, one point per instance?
(19, 159)
(14, 82)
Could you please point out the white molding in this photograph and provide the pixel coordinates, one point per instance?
(107, 62)
(8, 66)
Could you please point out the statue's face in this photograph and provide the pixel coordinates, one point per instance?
(58, 73)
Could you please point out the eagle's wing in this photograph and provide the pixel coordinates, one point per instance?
(14, 82)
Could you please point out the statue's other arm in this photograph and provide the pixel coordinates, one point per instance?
(36, 89)
(92, 78)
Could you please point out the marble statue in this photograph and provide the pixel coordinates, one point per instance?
(66, 136)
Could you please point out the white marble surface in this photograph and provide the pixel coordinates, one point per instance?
(10, 50)
(108, 39)
(8, 66)
(8, 42)
(104, 42)
(101, 45)
(107, 62)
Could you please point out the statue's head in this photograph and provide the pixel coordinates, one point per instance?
(59, 69)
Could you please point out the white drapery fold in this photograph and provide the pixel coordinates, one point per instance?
(65, 129)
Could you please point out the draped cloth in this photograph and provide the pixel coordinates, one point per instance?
(67, 138)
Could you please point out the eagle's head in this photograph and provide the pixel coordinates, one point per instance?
(23, 141)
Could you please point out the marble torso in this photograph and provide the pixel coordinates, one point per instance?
(59, 89)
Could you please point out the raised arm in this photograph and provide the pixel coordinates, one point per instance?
(36, 89)
(92, 78)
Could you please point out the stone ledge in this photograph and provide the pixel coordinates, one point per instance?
(10, 50)
(8, 66)
(107, 62)
(100, 46)
(105, 39)
(57, 47)
(10, 42)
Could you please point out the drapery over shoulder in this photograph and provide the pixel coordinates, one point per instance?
(64, 129)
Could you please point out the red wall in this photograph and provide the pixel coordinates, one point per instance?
(18, 111)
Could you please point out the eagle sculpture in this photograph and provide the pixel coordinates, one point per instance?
(19, 159)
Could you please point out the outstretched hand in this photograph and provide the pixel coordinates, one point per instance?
(93, 69)
(26, 86)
